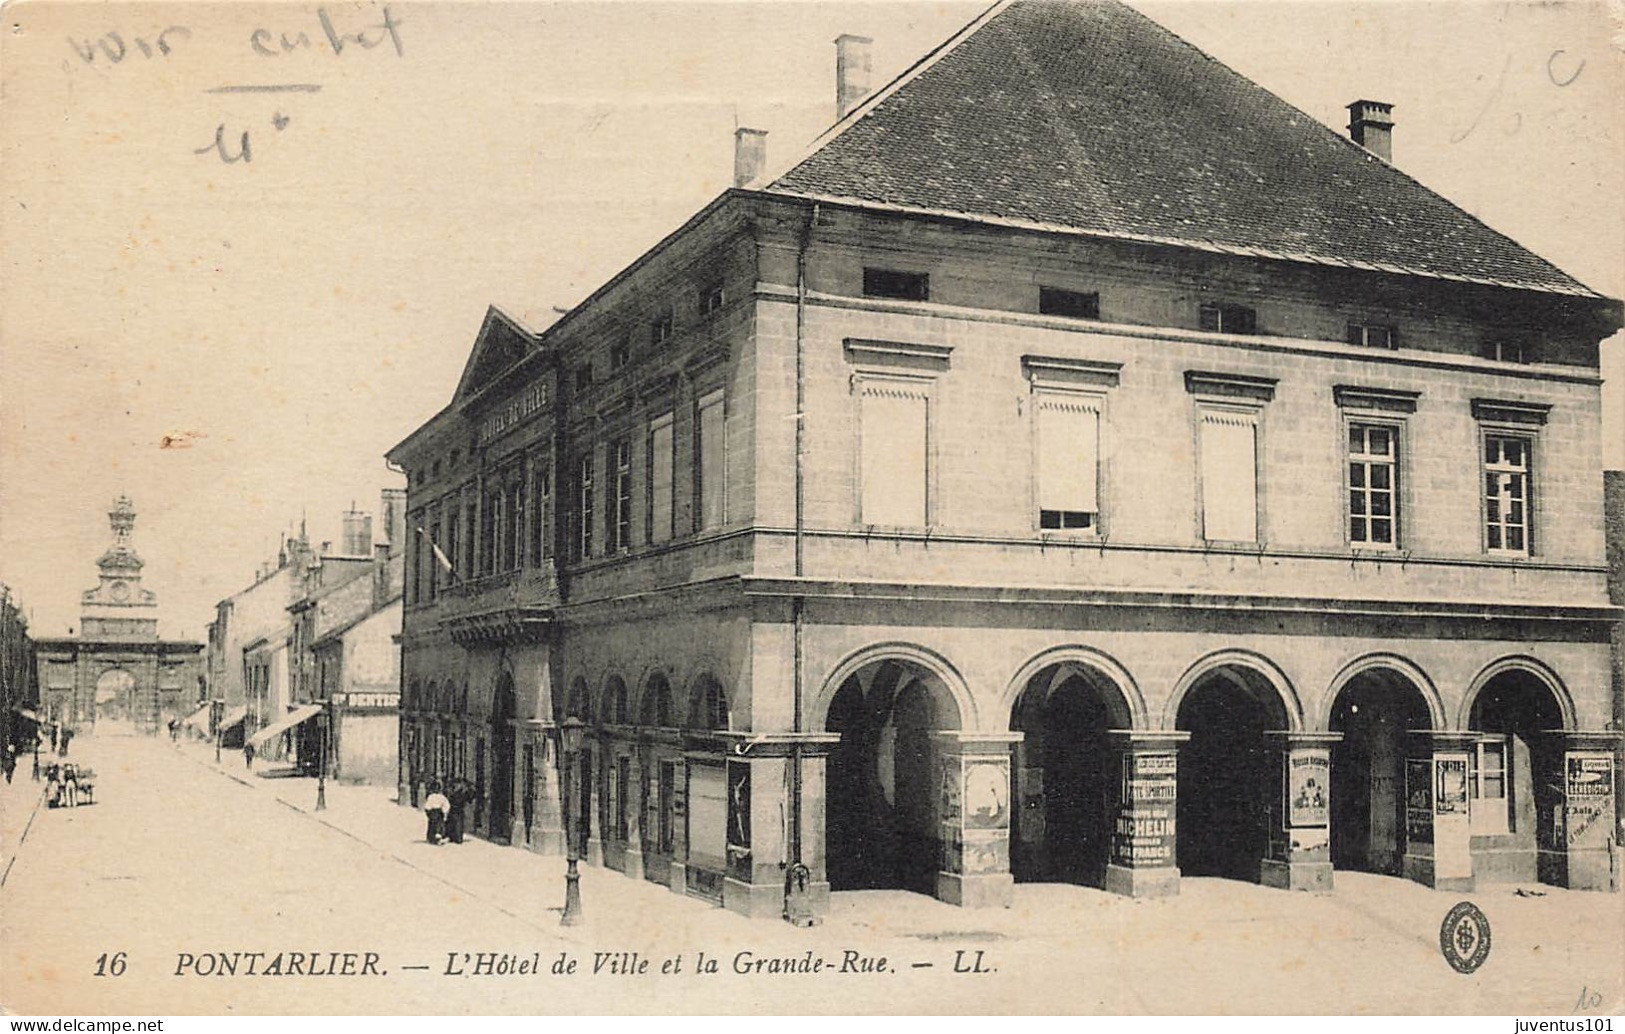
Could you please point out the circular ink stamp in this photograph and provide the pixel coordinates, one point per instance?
(1464, 937)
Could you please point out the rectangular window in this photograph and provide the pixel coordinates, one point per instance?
(541, 545)
(660, 330)
(620, 522)
(516, 526)
(471, 523)
(1373, 486)
(435, 535)
(583, 378)
(660, 480)
(414, 551)
(620, 355)
(892, 283)
(1229, 476)
(1509, 350)
(488, 533)
(1370, 335)
(710, 448)
(1487, 782)
(710, 299)
(1507, 525)
(1068, 461)
(454, 520)
(893, 447)
(1229, 319)
(1054, 301)
(584, 512)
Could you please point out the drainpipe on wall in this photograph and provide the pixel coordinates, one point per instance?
(796, 874)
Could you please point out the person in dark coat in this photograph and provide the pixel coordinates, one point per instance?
(460, 793)
(8, 761)
(62, 745)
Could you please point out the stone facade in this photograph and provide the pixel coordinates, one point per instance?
(894, 548)
(117, 669)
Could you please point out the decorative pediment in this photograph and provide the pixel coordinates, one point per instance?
(501, 343)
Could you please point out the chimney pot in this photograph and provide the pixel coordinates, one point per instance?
(1371, 125)
(851, 72)
(750, 155)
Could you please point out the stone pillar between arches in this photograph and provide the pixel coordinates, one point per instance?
(1300, 853)
(1577, 810)
(1438, 831)
(974, 816)
(1144, 851)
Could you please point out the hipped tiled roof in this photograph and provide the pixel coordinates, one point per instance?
(1087, 116)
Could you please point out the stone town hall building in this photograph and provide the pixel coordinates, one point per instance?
(1178, 488)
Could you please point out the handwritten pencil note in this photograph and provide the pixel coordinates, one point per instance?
(256, 56)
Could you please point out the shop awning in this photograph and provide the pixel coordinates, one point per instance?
(232, 717)
(283, 724)
(198, 719)
(26, 713)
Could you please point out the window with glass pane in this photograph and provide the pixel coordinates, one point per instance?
(453, 535)
(623, 768)
(620, 529)
(1506, 494)
(516, 526)
(1229, 477)
(541, 546)
(660, 482)
(1068, 461)
(1487, 783)
(584, 511)
(711, 449)
(1373, 485)
(893, 451)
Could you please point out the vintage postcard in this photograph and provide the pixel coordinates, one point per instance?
(896, 507)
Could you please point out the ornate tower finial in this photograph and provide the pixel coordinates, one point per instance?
(122, 518)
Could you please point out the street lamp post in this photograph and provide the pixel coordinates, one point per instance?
(572, 878)
(321, 759)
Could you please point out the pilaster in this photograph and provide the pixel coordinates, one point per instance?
(975, 818)
(1299, 854)
(1144, 852)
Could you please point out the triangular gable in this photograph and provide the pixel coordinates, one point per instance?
(1086, 116)
(501, 342)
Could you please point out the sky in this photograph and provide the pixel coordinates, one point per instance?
(281, 321)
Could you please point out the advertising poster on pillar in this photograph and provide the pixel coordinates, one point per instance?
(1144, 834)
(1419, 800)
(876, 508)
(1308, 791)
(1588, 802)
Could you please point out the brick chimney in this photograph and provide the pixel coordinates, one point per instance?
(851, 72)
(1371, 125)
(750, 155)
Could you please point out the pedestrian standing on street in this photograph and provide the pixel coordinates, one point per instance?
(8, 761)
(435, 808)
(36, 759)
(458, 795)
(248, 756)
(67, 734)
(54, 731)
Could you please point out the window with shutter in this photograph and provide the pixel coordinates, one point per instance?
(893, 449)
(660, 482)
(711, 466)
(1229, 476)
(1068, 461)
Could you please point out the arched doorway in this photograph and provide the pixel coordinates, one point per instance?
(882, 827)
(1067, 775)
(1373, 710)
(115, 697)
(1505, 791)
(1229, 773)
(502, 760)
(661, 778)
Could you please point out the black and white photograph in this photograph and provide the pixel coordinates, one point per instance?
(785, 508)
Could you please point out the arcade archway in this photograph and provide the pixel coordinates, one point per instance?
(1373, 710)
(115, 697)
(1505, 792)
(502, 760)
(1229, 773)
(1067, 774)
(882, 822)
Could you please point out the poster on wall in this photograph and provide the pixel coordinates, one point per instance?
(987, 794)
(1144, 834)
(1588, 781)
(739, 820)
(1308, 786)
(1418, 800)
(1450, 793)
